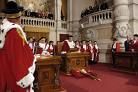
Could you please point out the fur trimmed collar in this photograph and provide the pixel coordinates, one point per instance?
(6, 27)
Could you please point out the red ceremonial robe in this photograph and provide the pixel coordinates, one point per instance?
(78, 47)
(51, 49)
(16, 57)
(135, 46)
(40, 49)
(65, 46)
(84, 49)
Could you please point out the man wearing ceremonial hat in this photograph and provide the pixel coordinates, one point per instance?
(17, 61)
(68, 44)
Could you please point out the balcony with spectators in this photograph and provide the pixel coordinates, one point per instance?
(95, 15)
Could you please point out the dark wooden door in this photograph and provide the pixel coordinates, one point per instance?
(63, 37)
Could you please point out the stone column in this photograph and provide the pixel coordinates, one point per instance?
(69, 15)
(133, 21)
(121, 19)
(58, 5)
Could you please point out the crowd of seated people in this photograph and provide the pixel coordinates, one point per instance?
(96, 8)
(40, 14)
(43, 47)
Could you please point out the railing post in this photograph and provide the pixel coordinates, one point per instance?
(90, 19)
(108, 15)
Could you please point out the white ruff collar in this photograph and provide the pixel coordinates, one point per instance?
(6, 27)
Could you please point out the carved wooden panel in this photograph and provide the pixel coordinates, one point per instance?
(79, 62)
(47, 74)
(74, 61)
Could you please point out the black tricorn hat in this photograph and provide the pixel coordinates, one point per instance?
(70, 36)
(136, 35)
(12, 8)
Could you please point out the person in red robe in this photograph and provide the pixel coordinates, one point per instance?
(32, 43)
(50, 48)
(78, 46)
(134, 45)
(84, 47)
(67, 45)
(42, 46)
(17, 60)
(91, 51)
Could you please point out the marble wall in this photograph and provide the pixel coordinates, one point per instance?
(75, 7)
(133, 19)
(103, 34)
